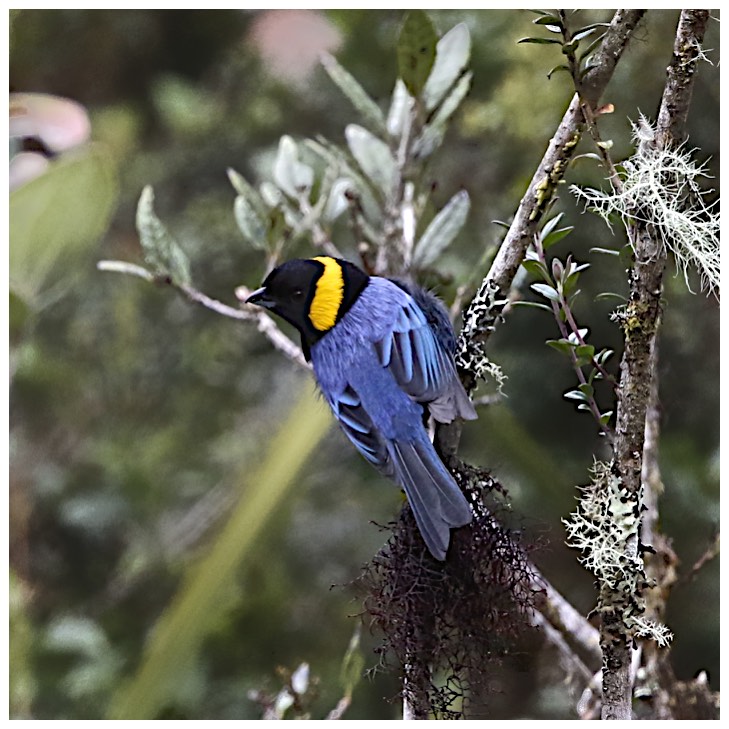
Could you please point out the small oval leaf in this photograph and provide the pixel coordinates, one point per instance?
(373, 156)
(452, 54)
(416, 50)
(443, 229)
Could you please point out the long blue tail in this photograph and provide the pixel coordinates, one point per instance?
(437, 503)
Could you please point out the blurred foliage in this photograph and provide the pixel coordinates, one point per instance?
(133, 414)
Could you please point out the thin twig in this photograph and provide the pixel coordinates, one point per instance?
(266, 325)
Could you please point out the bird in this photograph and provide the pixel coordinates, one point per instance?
(382, 352)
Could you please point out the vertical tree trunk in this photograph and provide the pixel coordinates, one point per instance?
(640, 324)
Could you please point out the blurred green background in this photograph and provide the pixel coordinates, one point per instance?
(139, 422)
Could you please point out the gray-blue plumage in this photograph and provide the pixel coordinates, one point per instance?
(384, 361)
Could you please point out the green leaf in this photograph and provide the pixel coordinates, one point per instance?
(610, 295)
(587, 390)
(443, 229)
(583, 33)
(399, 109)
(551, 224)
(608, 251)
(548, 20)
(533, 305)
(434, 131)
(416, 49)
(373, 156)
(161, 251)
(249, 223)
(561, 345)
(560, 67)
(555, 236)
(541, 41)
(372, 115)
(58, 216)
(292, 176)
(536, 267)
(452, 54)
(244, 188)
(593, 45)
(603, 356)
(605, 417)
(547, 291)
(335, 157)
(337, 201)
(575, 395)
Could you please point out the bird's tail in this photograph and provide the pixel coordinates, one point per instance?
(437, 503)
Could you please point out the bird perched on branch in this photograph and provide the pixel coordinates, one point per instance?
(382, 353)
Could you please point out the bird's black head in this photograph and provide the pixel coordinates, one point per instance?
(312, 294)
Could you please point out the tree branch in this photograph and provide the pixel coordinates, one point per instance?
(640, 322)
(485, 309)
(266, 325)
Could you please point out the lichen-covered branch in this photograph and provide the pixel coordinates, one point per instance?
(483, 314)
(619, 603)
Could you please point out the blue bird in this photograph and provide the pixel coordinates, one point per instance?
(382, 352)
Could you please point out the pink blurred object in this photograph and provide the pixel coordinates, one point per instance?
(60, 124)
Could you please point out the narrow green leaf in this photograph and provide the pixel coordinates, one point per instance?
(548, 20)
(547, 291)
(555, 236)
(610, 295)
(583, 34)
(560, 67)
(434, 131)
(292, 176)
(249, 223)
(161, 251)
(243, 187)
(533, 305)
(605, 417)
(551, 224)
(575, 395)
(452, 54)
(570, 47)
(372, 115)
(590, 48)
(587, 155)
(541, 41)
(373, 156)
(416, 50)
(443, 229)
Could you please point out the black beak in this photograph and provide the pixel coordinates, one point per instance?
(260, 298)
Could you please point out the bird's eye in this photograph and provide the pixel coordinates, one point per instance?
(297, 294)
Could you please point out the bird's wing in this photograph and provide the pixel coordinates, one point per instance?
(358, 427)
(421, 365)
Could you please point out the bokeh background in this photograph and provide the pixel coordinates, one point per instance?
(136, 419)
